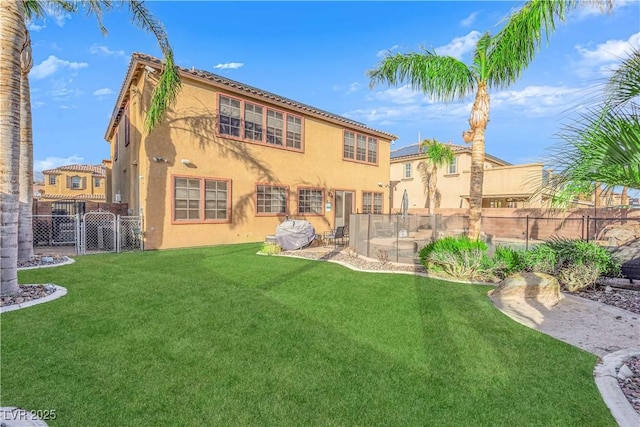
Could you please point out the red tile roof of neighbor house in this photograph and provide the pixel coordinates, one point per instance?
(95, 170)
(73, 196)
(219, 81)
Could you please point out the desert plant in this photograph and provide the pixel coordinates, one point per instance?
(576, 277)
(581, 252)
(383, 256)
(459, 257)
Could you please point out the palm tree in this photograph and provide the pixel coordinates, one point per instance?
(11, 40)
(25, 221)
(437, 154)
(603, 143)
(498, 62)
(13, 34)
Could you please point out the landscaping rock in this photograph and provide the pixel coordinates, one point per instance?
(540, 287)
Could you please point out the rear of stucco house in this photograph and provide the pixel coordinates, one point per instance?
(229, 162)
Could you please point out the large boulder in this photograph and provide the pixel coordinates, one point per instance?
(540, 288)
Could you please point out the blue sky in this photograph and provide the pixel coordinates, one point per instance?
(318, 53)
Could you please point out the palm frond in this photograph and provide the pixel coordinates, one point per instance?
(96, 8)
(437, 153)
(166, 91)
(516, 44)
(34, 9)
(624, 83)
(444, 78)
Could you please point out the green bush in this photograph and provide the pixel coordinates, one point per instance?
(506, 261)
(540, 259)
(458, 257)
(581, 252)
(575, 277)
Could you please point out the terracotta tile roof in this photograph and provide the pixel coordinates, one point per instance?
(73, 197)
(413, 150)
(218, 80)
(95, 170)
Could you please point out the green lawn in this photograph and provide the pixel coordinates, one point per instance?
(222, 336)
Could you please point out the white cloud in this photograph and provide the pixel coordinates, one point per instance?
(37, 104)
(469, 20)
(538, 101)
(588, 9)
(59, 17)
(60, 91)
(460, 45)
(105, 51)
(54, 162)
(52, 64)
(229, 66)
(34, 28)
(353, 87)
(601, 59)
(103, 92)
(385, 52)
(400, 95)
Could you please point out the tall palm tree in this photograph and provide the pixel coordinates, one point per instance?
(11, 40)
(437, 154)
(13, 34)
(603, 143)
(25, 221)
(498, 62)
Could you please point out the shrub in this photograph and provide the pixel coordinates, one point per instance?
(506, 261)
(541, 259)
(270, 249)
(458, 257)
(581, 252)
(575, 277)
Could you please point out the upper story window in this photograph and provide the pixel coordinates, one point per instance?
(127, 132)
(360, 148)
(96, 182)
(372, 203)
(453, 166)
(52, 180)
(76, 182)
(271, 199)
(407, 170)
(259, 123)
(310, 201)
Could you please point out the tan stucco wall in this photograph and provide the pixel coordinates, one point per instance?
(499, 181)
(189, 132)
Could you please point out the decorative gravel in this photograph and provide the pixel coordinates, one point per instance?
(621, 298)
(631, 386)
(27, 293)
(42, 260)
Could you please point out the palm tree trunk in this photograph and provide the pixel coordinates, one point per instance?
(433, 180)
(12, 30)
(478, 122)
(25, 221)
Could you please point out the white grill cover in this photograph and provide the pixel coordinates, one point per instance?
(294, 234)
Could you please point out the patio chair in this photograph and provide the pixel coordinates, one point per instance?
(340, 233)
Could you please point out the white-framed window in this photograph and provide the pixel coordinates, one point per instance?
(96, 182)
(360, 148)
(371, 203)
(259, 123)
(201, 199)
(453, 166)
(407, 170)
(52, 180)
(271, 199)
(76, 182)
(310, 201)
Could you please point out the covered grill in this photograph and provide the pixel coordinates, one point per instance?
(295, 234)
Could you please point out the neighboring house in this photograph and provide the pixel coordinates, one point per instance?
(73, 183)
(230, 162)
(505, 185)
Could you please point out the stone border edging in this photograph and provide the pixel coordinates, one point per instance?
(606, 378)
(59, 293)
(59, 264)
